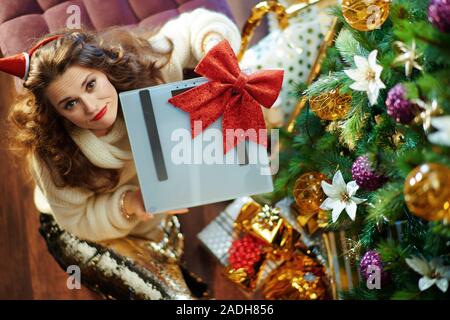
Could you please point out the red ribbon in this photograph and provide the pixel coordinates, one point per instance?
(231, 93)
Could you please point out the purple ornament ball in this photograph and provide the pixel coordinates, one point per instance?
(399, 107)
(369, 261)
(365, 176)
(439, 14)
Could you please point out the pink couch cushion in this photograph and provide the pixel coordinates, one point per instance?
(22, 22)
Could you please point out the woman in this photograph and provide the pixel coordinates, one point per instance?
(69, 127)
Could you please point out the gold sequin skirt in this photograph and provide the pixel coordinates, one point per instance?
(129, 267)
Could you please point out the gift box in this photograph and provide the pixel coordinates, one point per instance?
(158, 131)
(202, 140)
(294, 49)
(218, 236)
(264, 223)
(299, 278)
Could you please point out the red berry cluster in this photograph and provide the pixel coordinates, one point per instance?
(245, 252)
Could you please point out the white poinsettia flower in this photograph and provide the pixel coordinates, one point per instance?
(340, 196)
(367, 76)
(433, 272)
(442, 136)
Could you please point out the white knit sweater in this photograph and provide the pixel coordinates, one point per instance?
(94, 216)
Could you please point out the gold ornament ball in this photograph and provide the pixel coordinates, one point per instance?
(365, 15)
(331, 105)
(308, 193)
(427, 192)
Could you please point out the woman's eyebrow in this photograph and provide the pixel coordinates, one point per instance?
(82, 86)
(63, 100)
(85, 80)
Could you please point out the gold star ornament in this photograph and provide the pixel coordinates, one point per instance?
(407, 56)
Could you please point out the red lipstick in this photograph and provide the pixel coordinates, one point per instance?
(100, 114)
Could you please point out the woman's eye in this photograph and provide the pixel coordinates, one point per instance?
(69, 105)
(91, 85)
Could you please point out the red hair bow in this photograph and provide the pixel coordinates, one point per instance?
(231, 93)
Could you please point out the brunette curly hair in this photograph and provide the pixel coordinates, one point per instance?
(37, 130)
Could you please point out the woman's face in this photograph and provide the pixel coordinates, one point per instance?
(86, 98)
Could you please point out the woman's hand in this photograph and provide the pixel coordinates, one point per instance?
(134, 205)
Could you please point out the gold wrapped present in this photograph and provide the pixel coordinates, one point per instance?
(246, 281)
(264, 223)
(301, 278)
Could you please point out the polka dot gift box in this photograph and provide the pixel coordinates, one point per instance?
(293, 49)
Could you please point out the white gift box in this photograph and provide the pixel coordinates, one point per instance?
(176, 171)
(218, 235)
(293, 49)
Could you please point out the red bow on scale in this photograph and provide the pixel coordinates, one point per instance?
(231, 93)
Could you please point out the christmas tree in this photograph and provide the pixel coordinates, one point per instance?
(374, 135)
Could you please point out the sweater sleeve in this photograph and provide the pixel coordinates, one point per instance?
(192, 34)
(82, 212)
